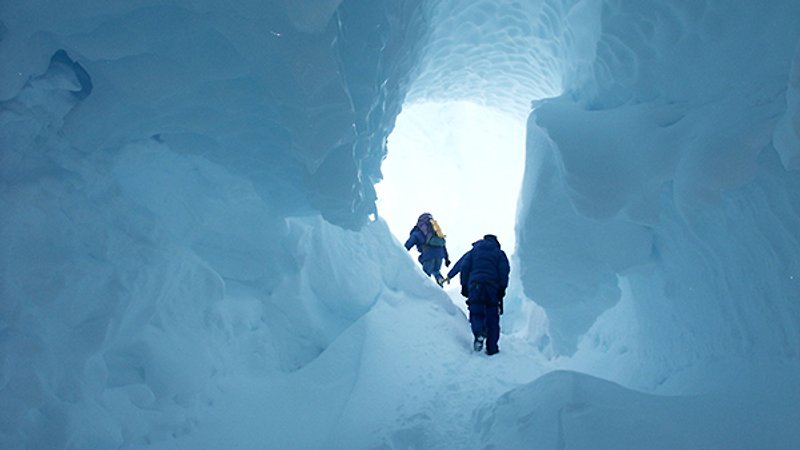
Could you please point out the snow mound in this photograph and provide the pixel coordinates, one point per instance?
(565, 409)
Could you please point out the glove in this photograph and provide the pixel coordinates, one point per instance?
(501, 306)
(502, 294)
(447, 263)
(464, 291)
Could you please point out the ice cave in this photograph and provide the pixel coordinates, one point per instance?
(202, 212)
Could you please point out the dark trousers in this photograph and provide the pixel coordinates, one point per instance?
(485, 321)
(432, 267)
(484, 314)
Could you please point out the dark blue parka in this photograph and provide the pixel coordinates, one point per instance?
(426, 252)
(485, 264)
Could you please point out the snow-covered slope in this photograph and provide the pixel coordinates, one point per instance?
(565, 409)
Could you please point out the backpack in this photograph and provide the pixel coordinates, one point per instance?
(436, 239)
(430, 228)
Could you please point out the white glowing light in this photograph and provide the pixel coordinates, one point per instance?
(459, 161)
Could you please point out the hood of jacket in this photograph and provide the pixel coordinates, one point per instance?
(490, 239)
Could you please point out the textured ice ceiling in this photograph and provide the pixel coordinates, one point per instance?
(503, 54)
(297, 93)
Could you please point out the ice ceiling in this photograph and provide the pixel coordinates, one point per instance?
(502, 54)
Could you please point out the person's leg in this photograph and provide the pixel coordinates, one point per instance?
(492, 320)
(477, 316)
(432, 267)
(428, 266)
(436, 272)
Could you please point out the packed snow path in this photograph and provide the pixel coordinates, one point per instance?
(402, 376)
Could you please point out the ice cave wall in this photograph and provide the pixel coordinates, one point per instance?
(151, 155)
(669, 171)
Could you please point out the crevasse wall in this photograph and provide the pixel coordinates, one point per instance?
(670, 167)
(151, 155)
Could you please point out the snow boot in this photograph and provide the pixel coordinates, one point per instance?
(478, 344)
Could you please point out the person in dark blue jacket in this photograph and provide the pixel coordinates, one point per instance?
(484, 279)
(432, 251)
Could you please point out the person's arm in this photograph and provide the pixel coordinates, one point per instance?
(456, 267)
(413, 239)
(466, 267)
(503, 271)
